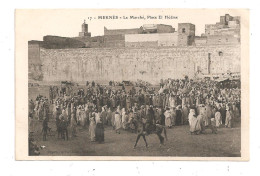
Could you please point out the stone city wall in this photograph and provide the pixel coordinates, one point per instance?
(150, 64)
(34, 62)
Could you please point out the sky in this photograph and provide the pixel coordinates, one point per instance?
(67, 23)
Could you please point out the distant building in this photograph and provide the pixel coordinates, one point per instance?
(225, 32)
(137, 37)
(157, 28)
(57, 42)
(84, 30)
(92, 42)
(222, 40)
(186, 34)
(168, 39)
(151, 40)
(228, 26)
(145, 29)
(141, 40)
(122, 31)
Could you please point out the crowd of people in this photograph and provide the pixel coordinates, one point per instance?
(176, 102)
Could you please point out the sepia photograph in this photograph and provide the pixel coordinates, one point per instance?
(135, 84)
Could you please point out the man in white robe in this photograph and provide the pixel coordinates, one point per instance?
(218, 119)
(194, 123)
(124, 119)
(228, 123)
(167, 114)
(118, 122)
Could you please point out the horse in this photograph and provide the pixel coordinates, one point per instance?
(147, 128)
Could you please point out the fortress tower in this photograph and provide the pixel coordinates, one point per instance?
(186, 34)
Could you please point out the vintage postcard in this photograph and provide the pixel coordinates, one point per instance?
(132, 84)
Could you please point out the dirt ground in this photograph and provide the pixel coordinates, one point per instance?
(227, 143)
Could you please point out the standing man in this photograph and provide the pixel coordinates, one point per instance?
(45, 128)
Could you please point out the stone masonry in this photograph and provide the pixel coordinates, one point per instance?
(149, 64)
